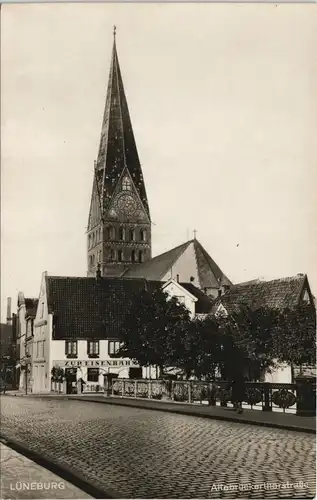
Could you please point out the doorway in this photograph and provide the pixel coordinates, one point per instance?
(71, 380)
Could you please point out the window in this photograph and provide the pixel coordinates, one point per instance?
(89, 241)
(132, 234)
(42, 309)
(140, 256)
(92, 374)
(126, 184)
(110, 233)
(93, 239)
(42, 349)
(93, 347)
(143, 235)
(71, 348)
(135, 373)
(120, 255)
(112, 255)
(99, 234)
(121, 234)
(133, 256)
(113, 347)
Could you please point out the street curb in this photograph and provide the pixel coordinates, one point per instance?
(205, 415)
(62, 471)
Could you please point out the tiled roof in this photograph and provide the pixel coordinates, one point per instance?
(204, 303)
(280, 293)
(157, 267)
(31, 307)
(209, 274)
(89, 308)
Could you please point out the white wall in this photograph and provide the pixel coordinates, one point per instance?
(174, 289)
(281, 375)
(185, 267)
(41, 378)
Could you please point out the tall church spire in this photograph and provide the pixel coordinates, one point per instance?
(119, 203)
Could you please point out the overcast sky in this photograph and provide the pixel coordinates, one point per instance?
(223, 103)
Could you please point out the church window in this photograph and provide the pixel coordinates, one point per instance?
(126, 184)
(133, 256)
(143, 235)
(120, 255)
(93, 239)
(140, 256)
(110, 233)
(132, 235)
(121, 234)
(112, 255)
(99, 234)
(89, 241)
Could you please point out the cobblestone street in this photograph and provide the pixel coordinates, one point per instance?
(147, 454)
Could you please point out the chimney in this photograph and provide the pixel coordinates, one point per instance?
(177, 278)
(9, 315)
(98, 272)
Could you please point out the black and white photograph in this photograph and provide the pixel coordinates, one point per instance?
(158, 250)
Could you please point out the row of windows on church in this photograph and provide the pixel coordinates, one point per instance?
(123, 235)
(117, 256)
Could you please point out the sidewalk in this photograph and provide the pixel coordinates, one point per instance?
(278, 420)
(22, 478)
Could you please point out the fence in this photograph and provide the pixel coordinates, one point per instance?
(289, 398)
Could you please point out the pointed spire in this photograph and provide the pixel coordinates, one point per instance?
(117, 148)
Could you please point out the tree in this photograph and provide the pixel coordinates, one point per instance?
(294, 341)
(154, 329)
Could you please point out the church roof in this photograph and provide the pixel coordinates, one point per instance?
(157, 267)
(209, 274)
(282, 293)
(117, 148)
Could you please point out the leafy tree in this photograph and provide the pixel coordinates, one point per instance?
(154, 329)
(294, 341)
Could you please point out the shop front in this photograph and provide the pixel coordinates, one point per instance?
(95, 375)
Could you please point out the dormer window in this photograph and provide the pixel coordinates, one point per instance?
(126, 184)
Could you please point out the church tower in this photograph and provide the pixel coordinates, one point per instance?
(119, 225)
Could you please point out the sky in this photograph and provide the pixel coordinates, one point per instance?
(223, 103)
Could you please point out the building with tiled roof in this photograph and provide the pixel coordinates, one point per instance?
(79, 320)
(282, 293)
(189, 263)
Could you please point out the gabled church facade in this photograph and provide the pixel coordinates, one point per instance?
(119, 225)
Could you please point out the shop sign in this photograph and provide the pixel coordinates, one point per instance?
(95, 363)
